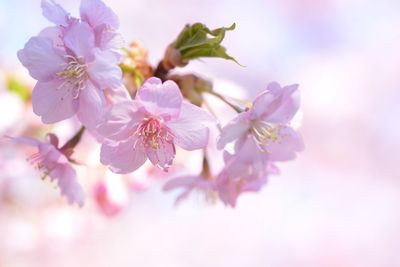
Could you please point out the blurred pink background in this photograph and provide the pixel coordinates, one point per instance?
(337, 205)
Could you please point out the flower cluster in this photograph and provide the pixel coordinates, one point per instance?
(262, 136)
(74, 62)
(82, 69)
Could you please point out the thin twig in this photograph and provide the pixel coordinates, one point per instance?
(233, 106)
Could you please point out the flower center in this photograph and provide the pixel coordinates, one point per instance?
(150, 131)
(264, 132)
(74, 74)
(38, 161)
(158, 142)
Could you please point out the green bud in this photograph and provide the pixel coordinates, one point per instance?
(196, 41)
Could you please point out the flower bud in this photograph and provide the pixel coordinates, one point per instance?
(136, 66)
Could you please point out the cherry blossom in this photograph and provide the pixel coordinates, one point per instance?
(55, 162)
(190, 183)
(268, 122)
(73, 63)
(246, 170)
(150, 127)
(102, 20)
(70, 80)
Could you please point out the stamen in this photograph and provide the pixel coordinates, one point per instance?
(150, 131)
(264, 132)
(74, 74)
(152, 134)
(37, 161)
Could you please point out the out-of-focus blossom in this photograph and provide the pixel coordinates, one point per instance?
(111, 195)
(73, 67)
(151, 126)
(11, 105)
(55, 162)
(190, 183)
(150, 175)
(246, 170)
(136, 66)
(268, 123)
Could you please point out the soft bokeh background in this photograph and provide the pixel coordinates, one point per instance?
(336, 205)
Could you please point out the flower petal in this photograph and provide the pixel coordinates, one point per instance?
(234, 130)
(246, 150)
(117, 95)
(96, 13)
(285, 106)
(91, 106)
(120, 121)
(41, 59)
(55, 13)
(187, 183)
(228, 190)
(191, 140)
(55, 34)
(184, 181)
(79, 38)
(285, 149)
(160, 99)
(53, 101)
(123, 157)
(65, 176)
(276, 104)
(163, 155)
(108, 39)
(25, 140)
(104, 70)
(51, 156)
(190, 128)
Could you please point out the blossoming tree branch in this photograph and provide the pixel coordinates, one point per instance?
(139, 113)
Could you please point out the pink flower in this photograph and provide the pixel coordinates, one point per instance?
(150, 126)
(110, 203)
(71, 79)
(54, 162)
(267, 121)
(103, 21)
(246, 170)
(72, 66)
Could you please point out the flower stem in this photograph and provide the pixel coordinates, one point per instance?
(206, 172)
(233, 106)
(74, 140)
(161, 71)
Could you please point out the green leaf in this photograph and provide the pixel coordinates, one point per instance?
(18, 88)
(196, 41)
